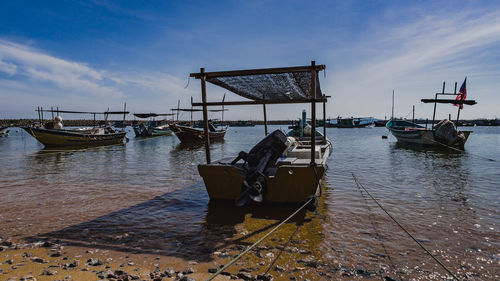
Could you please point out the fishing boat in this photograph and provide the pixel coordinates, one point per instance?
(153, 127)
(443, 134)
(53, 134)
(192, 134)
(4, 132)
(280, 168)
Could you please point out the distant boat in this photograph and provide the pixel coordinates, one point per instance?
(189, 134)
(380, 123)
(152, 128)
(52, 134)
(241, 123)
(4, 132)
(351, 123)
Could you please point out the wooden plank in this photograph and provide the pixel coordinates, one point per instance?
(257, 102)
(468, 102)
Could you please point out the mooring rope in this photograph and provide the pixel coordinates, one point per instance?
(270, 232)
(404, 229)
(284, 246)
(461, 150)
(258, 241)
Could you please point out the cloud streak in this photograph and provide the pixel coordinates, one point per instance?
(76, 81)
(432, 47)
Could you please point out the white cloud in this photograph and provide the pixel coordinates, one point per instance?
(73, 81)
(412, 57)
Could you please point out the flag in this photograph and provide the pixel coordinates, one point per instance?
(462, 94)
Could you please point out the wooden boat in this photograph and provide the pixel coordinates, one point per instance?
(57, 138)
(152, 128)
(280, 168)
(193, 134)
(189, 134)
(409, 132)
(444, 134)
(51, 134)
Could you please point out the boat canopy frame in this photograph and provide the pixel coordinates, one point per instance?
(284, 85)
(40, 111)
(447, 101)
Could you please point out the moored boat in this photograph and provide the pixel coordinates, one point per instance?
(280, 168)
(52, 134)
(189, 134)
(443, 134)
(153, 127)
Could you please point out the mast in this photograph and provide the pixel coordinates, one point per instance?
(392, 114)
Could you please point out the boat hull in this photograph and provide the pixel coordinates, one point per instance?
(294, 181)
(62, 138)
(291, 184)
(422, 136)
(188, 134)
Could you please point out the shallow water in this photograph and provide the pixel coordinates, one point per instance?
(146, 197)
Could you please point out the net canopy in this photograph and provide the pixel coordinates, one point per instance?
(286, 84)
(279, 86)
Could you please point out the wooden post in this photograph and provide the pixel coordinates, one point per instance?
(413, 120)
(41, 111)
(313, 113)
(459, 105)
(324, 122)
(191, 120)
(435, 103)
(265, 119)
(39, 116)
(123, 122)
(205, 115)
(178, 109)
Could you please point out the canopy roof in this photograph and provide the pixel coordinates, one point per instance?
(147, 115)
(270, 84)
(84, 112)
(451, 101)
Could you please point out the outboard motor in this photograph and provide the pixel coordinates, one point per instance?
(261, 157)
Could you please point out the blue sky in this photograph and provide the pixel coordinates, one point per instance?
(91, 55)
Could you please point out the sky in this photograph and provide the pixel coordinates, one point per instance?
(95, 55)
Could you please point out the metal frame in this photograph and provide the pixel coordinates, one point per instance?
(313, 68)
